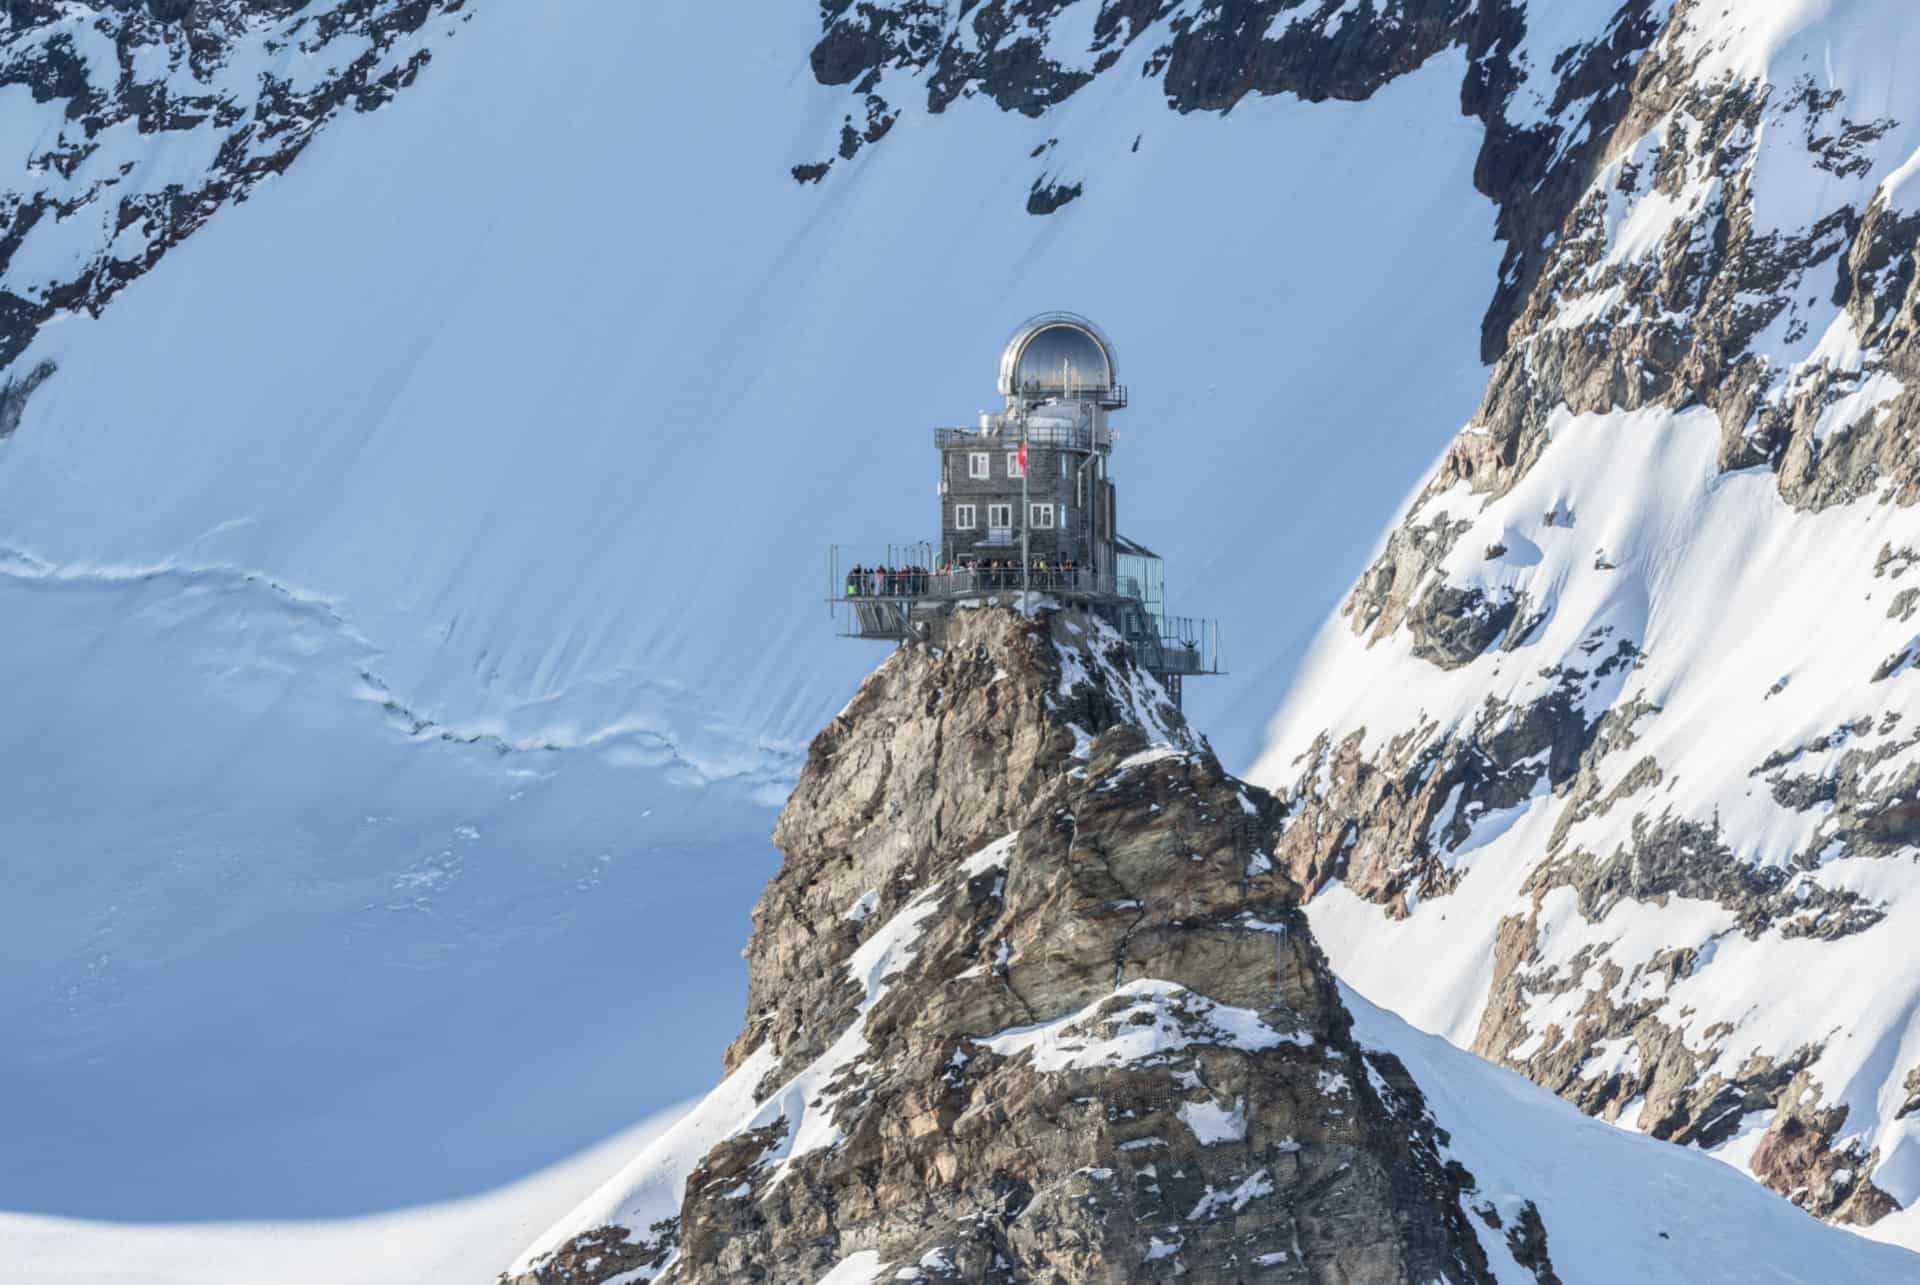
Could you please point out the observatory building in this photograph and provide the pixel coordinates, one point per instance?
(1029, 513)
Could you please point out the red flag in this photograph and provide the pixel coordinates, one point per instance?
(1023, 456)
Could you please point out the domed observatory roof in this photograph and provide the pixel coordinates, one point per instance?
(1059, 356)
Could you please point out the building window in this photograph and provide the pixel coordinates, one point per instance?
(963, 517)
(1000, 517)
(1042, 517)
(1063, 466)
(979, 465)
(1013, 465)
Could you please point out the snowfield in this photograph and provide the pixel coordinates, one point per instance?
(459, 1240)
(413, 582)
(1618, 1207)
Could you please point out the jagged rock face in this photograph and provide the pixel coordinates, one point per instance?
(1547, 104)
(1663, 750)
(1031, 1001)
(1707, 318)
(228, 91)
(928, 763)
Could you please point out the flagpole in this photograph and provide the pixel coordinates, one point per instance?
(1026, 520)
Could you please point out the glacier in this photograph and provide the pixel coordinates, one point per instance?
(413, 581)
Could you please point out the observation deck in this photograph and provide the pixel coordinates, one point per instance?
(915, 602)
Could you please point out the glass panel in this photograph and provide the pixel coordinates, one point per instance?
(1062, 359)
(1147, 577)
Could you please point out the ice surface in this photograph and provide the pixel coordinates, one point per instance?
(413, 583)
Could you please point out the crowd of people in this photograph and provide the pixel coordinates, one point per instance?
(963, 575)
(887, 582)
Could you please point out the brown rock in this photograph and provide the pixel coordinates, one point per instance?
(1104, 1046)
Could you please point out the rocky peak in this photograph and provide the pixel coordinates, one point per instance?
(941, 751)
(1029, 1000)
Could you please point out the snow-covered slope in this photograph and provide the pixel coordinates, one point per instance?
(128, 126)
(1617, 729)
(412, 575)
(1621, 1207)
(452, 1241)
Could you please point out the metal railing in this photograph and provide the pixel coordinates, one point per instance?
(915, 571)
(1189, 645)
(915, 580)
(1077, 437)
(1113, 396)
(884, 596)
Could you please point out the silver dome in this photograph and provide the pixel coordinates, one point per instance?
(1059, 354)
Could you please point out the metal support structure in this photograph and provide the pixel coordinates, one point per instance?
(1026, 516)
(912, 602)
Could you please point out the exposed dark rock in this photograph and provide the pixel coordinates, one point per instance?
(604, 1252)
(14, 394)
(1527, 1241)
(1893, 562)
(1799, 1156)
(1379, 602)
(1313, 49)
(1048, 196)
(1673, 857)
(266, 122)
(1451, 627)
(1912, 1086)
(1385, 825)
(1868, 812)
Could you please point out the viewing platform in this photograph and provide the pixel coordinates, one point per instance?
(912, 603)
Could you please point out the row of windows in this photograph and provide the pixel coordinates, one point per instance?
(980, 465)
(1000, 517)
